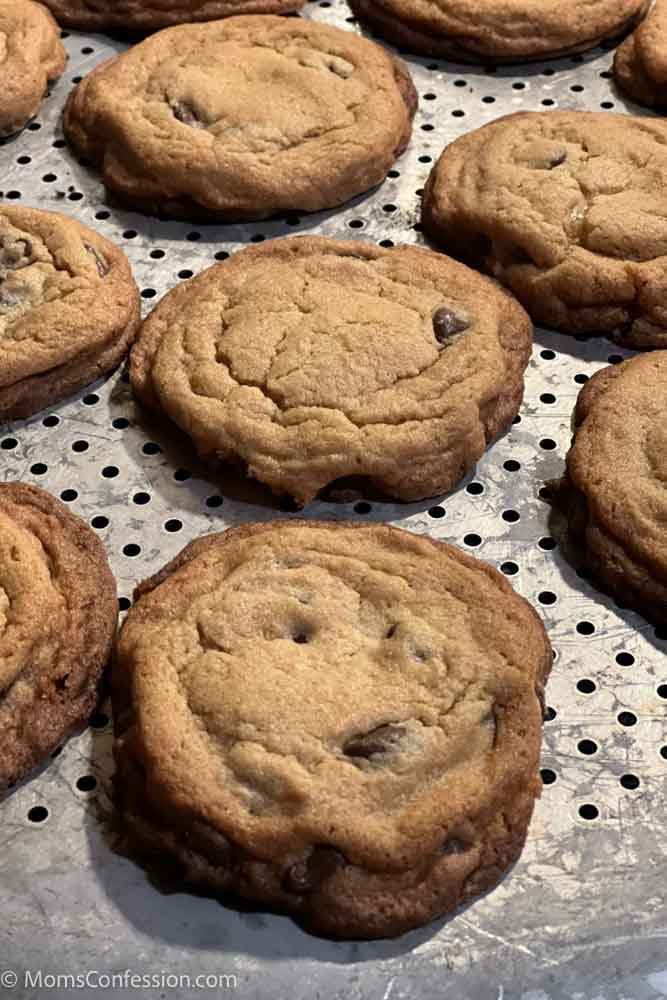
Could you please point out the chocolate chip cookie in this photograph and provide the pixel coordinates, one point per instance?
(243, 118)
(569, 210)
(69, 308)
(614, 490)
(31, 56)
(310, 360)
(58, 615)
(499, 30)
(640, 63)
(339, 721)
(150, 15)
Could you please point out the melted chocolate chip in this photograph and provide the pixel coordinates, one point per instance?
(101, 262)
(15, 254)
(557, 159)
(187, 115)
(446, 324)
(391, 631)
(10, 297)
(380, 740)
(305, 876)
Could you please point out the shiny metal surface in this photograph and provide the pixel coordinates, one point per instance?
(582, 915)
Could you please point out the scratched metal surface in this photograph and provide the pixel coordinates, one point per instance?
(582, 915)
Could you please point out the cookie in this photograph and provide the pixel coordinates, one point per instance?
(69, 308)
(640, 63)
(614, 489)
(58, 616)
(499, 30)
(243, 118)
(310, 360)
(339, 721)
(150, 15)
(568, 209)
(31, 56)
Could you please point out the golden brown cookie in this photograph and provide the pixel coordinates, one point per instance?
(640, 63)
(243, 118)
(614, 490)
(499, 30)
(339, 721)
(31, 55)
(150, 15)
(69, 308)
(310, 359)
(58, 615)
(569, 210)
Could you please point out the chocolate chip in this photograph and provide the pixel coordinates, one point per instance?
(187, 115)
(454, 846)
(446, 324)
(15, 254)
(391, 631)
(301, 638)
(305, 876)
(102, 264)
(383, 739)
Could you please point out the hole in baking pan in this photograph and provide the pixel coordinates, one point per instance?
(509, 568)
(547, 597)
(550, 714)
(362, 507)
(100, 521)
(436, 511)
(39, 469)
(51, 421)
(98, 720)
(214, 501)
(124, 604)
(511, 465)
(472, 540)
(141, 498)
(120, 423)
(581, 378)
(185, 274)
(585, 628)
(157, 254)
(131, 550)
(38, 814)
(627, 718)
(86, 783)
(589, 811)
(587, 747)
(548, 776)
(69, 495)
(586, 686)
(548, 397)
(474, 489)
(173, 524)
(548, 444)
(151, 448)
(80, 446)
(90, 399)
(662, 691)
(630, 781)
(148, 293)
(511, 516)
(547, 543)
(181, 475)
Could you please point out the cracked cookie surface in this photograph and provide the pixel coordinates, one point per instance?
(58, 615)
(614, 490)
(311, 359)
(640, 62)
(502, 30)
(244, 118)
(31, 56)
(341, 721)
(69, 308)
(150, 15)
(569, 211)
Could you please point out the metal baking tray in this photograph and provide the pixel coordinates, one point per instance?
(582, 915)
